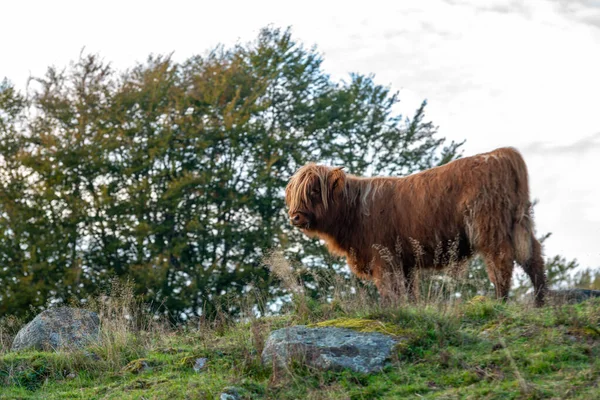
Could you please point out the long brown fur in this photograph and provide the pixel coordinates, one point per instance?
(386, 226)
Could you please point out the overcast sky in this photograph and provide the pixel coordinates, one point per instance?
(507, 73)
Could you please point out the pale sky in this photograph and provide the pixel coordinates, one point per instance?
(507, 73)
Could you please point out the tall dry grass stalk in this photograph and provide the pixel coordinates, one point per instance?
(128, 329)
(290, 279)
(9, 326)
(283, 270)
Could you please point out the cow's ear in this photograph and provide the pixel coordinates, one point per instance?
(336, 180)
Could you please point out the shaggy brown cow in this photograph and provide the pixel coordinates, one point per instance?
(396, 225)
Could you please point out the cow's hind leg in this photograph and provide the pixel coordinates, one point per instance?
(534, 268)
(500, 264)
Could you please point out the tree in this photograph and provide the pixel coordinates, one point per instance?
(172, 174)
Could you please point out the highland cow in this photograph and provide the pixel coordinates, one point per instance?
(390, 227)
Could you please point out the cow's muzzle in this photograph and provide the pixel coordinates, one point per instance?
(299, 220)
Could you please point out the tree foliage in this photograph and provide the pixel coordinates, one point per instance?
(172, 174)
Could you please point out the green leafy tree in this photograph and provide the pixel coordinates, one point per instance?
(172, 174)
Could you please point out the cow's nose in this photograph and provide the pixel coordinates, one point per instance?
(298, 219)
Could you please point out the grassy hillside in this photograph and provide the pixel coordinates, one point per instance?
(477, 349)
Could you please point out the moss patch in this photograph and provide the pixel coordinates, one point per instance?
(364, 325)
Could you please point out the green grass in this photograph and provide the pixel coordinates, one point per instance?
(481, 349)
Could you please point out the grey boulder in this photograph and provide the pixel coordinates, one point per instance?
(329, 348)
(60, 328)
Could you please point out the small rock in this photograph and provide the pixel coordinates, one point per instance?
(329, 348)
(200, 364)
(60, 328)
(230, 393)
(71, 375)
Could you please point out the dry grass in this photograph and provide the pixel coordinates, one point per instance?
(437, 287)
(128, 329)
(9, 326)
(291, 281)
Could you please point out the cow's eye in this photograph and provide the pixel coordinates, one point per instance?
(315, 192)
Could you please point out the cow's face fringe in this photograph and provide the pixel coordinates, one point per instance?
(310, 193)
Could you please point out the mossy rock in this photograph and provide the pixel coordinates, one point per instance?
(198, 363)
(60, 328)
(136, 366)
(328, 348)
(187, 361)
